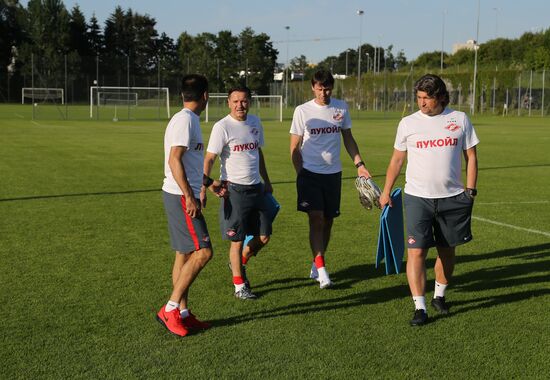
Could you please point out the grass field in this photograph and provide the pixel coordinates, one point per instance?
(85, 264)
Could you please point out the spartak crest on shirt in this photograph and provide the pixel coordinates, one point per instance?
(452, 125)
(338, 115)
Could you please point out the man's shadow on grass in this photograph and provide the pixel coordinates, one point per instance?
(490, 278)
(343, 279)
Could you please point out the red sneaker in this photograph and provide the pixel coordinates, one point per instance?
(172, 321)
(192, 323)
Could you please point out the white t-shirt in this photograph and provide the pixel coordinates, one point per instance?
(434, 146)
(237, 143)
(320, 128)
(184, 130)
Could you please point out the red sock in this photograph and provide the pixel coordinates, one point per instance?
(244, 259)
(319, 261)
(238, 280)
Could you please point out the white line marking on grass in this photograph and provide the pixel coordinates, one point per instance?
(511, 203)
(511, 226)
(18, 115)
(34, 122)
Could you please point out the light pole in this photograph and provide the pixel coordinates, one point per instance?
(286, 67)
(379, 51)
(347, 51)
(496, 22)
(442, 38)
(360, 14)
(368, 61)
(476, 47)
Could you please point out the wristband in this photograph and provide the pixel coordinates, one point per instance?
(207, 181)
(359, 164)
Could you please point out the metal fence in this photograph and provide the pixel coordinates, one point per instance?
(505, 92)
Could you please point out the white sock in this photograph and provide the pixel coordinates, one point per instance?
(419, 302)
(239, 287)
(171, 305)
(439, 290)
(323, 274)
(184, 313)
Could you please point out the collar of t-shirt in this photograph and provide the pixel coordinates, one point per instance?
(443, 113)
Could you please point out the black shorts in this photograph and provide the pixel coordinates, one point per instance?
(186, 234)
(442, 222)
(245, 211)
(319, 192)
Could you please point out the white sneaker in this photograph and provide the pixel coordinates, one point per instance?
(314, 274)
(323, 284)
(324, 279)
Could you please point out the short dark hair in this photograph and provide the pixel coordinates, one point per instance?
(244, 89)
(433, 86)
(193, 87)
(322, 77)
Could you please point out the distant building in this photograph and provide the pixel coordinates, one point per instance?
(470, 45)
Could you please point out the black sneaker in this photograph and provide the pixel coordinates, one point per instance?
(245, 294)
(243, 272)
(419, 318)
(439, 304)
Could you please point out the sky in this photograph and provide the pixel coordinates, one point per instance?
(320, 28)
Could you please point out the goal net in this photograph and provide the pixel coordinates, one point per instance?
(266, 107)
(42, 95)
(112, 102)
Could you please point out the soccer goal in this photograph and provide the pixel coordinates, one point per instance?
(52, 95)
(129, 102)
(267, 107)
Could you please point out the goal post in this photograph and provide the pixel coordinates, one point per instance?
(146, 99)
(267, 107)
(43, 94)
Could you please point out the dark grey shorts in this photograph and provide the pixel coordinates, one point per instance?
(442, 222)
(319, 192)
(245, 212)
(186, 234)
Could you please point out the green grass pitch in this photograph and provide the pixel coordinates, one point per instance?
(85, 264)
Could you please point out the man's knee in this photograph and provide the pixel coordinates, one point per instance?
(417, 253)
(203, 255)
(316, 219)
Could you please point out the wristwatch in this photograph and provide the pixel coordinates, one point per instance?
(206, 180)
(359, 164)
(471, 192)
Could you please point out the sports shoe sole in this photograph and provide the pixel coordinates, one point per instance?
(325, 285)
(439, 309)
(166, 327)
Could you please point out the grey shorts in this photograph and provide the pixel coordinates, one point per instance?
(186, 234)
(245, 212)
(442, 222)
(319, 192)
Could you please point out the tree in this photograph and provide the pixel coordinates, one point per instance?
(12, 35)
(78, 37)
(227, 59)
(258, 60)
(47, 24)
(95, 36)
(167, 54)
(299, 63)
(401, 60)
(431, 60)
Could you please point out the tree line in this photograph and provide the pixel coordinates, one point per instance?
(48, 40)
(59, 45)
